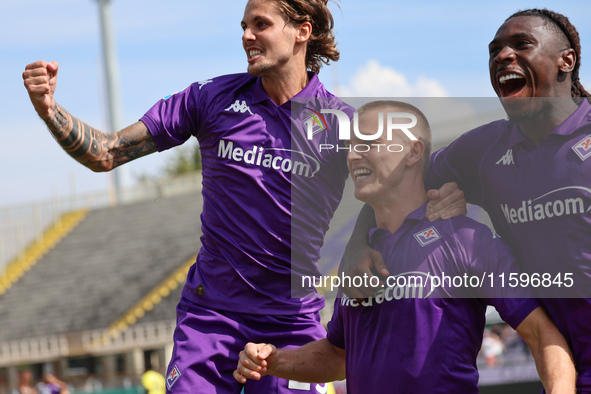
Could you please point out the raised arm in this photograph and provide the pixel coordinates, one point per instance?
(550, 351)
(93, 148)
(316, 362)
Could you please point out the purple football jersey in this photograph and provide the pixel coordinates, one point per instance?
(539, 199)
(414, 339)
(268, 192)
(49, 388)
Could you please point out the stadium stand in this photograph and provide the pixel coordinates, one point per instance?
(115, 257)
(16, 268)
(101, 303)
(95, 277)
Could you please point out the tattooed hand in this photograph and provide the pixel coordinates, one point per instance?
(40, 80)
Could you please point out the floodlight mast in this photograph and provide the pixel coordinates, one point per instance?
(111, 74)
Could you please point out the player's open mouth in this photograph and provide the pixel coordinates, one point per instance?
(361, 174)
(253, 52)
(511, 85)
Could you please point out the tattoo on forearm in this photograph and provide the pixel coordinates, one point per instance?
(59, 122)
(90, 146)
(78, 142)
(76, 137)
(127, 148)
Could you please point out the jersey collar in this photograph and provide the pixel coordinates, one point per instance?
(415, 216)
(579, 118)
(259, 95)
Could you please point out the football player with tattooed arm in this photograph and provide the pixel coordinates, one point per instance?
(243, 274)
(531, 172)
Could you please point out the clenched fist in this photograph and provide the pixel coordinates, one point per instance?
(40, 80)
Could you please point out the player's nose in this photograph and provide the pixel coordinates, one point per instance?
(506, 54)
(353, 154)
(247, 35)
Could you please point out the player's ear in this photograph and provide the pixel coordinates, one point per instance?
(567, 60)
(304, 31)
(416, 152)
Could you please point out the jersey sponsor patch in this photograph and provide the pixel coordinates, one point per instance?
(299, 163)
(569, 200)
(173, 376)
(427, 236)
(583, 148)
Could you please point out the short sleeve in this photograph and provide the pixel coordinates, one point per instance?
(173, 120)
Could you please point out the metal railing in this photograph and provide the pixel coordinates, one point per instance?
(146, 335)
(95, 342)
(33, 350)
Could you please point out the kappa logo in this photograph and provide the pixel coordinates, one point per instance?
(583, 148)
(203, 83)
(239, 107)
(173, 376)
(427, 236)
(507, 158)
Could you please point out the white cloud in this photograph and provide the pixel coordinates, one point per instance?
(375, 80)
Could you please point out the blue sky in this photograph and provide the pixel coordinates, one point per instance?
(393, 48)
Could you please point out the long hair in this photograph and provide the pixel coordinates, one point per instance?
(322, 47)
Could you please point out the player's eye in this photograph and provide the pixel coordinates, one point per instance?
(523, 44)
(493, 51)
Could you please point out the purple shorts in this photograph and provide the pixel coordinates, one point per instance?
(207, 343)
